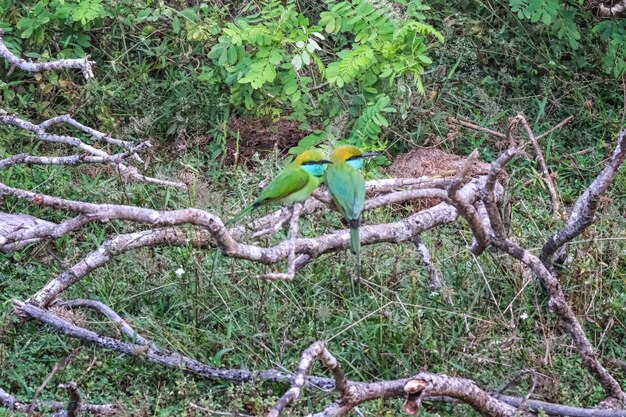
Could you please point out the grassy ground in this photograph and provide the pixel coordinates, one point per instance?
(391, 325)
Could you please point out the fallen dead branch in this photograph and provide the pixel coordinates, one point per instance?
(581, 217)
(424, 386)
(83, 64)
(110, 313)
(159, 357)
(94, 154)
(317, 351)
(213, 233)
(12, 404)
(584, 210)
(476, 201)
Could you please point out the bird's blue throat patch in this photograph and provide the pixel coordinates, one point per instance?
(316, 170)
(355, 163)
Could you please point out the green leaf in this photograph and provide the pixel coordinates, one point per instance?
(231, 53)
(296, 61)
(306, 58)
(176, 25)
(270, 73)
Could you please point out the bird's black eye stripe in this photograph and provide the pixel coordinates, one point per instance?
(310, 163)
(355, 157)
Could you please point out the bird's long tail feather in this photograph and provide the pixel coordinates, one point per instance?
(355, 248)
(355, 241)
(241, 214)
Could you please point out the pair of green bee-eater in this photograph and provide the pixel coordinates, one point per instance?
(300, 178)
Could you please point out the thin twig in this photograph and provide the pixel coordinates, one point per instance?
(473, 126)
(58, 367)
(556, 205)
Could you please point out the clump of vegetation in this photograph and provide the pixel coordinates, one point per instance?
(379, 74)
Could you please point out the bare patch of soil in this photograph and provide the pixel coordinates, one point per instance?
(262, 136)
(431, 162)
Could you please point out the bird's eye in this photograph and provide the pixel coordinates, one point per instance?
(354, 158)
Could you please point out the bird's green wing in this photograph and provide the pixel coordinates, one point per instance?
(347, 187)
(291, 180)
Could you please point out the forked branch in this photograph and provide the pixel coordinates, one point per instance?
(584, 210)
(212, 233)
(424, 386)
(93, 153)
(581, 218)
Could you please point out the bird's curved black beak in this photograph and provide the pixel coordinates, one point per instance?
(370, 154)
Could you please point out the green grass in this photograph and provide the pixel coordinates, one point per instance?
(389, 326)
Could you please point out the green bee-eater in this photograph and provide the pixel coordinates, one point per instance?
(294, 184)
(347, 187)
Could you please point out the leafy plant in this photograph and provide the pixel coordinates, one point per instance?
(372, 121)
(613, 32)
(277, 57)
(564, 18)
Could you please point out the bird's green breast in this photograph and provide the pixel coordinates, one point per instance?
(347, 188)
(304, 192)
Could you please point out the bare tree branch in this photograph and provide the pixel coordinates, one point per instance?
(584, 210)
(110, 313)
(11, 403)
(557, 409)
(25, 231)
(424, 384)
(168, 360)
(488, 196)
(557, 302)
(440, 387)
(214, 234)
(125, 170)
(273, 221)
(83, 64)
(69, 159)
(562, 309)
(317, 351)
(466, 208)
